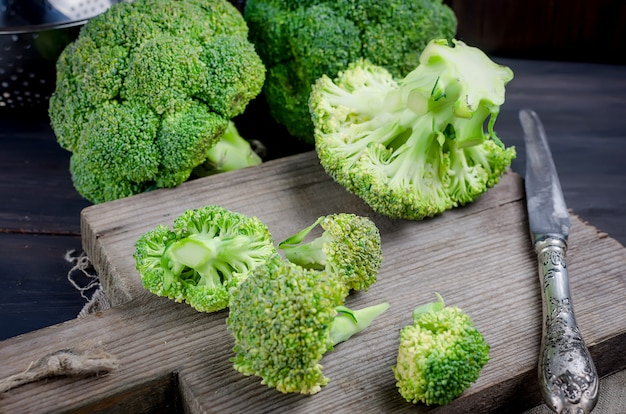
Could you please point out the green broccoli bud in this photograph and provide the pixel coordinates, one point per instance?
(207, 254)
(349, 248)
(183, 139)
(121, 150)
(163, 72)
(284, 318)
(229, 58)
(416, 147)
(440, 355)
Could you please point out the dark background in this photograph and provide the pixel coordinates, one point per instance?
(568, 30)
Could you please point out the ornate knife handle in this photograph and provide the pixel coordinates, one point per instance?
(567, 374)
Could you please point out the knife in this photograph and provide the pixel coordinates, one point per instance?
(567, 375)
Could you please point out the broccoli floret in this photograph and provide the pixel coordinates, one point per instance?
(300, 41)
(158, 82)
(204, 257)
(417, 147)
(440, 355)
(349, 247)
(284, 318)
(121, 149)
(231, 153)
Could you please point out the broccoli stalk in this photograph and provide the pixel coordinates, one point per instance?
(440, 355)
(416, 147)
(209, 252)
(309, 255)
(232, 152)
(349, 322)
(349, 248)
(284, 318)
(212, 257)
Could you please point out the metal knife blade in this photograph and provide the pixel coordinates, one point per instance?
(567, 375)
(547, 212)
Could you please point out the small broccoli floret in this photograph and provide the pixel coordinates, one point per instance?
(207, 254)
(284, 318)
(349, 248)
(416, 147)
(301, 41)
(147, 88)
(439, 356)
(232, 152)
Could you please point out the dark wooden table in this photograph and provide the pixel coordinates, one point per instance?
(582, 105)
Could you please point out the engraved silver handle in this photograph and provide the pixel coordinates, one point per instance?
(567, 375)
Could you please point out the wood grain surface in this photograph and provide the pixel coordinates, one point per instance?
(478, 257)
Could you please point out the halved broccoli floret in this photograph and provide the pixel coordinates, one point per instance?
(349, 248)
(284, 318)
(416, 147)
(208, 253)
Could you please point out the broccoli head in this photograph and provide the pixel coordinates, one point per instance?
(349, 248)
(440, 355)
(207, 254)
(284, 318)
(300, 41)
(147, 88)
(417, 147)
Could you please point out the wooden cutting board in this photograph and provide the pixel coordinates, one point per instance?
(478, 257)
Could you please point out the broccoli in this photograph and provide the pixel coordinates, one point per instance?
(230, 153)
(284, 318)
(147, 88)
(206, 255)
(414, 148)
(349, 248)
(440, 355)
(300, 41)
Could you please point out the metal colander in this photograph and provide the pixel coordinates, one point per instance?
(32, 35)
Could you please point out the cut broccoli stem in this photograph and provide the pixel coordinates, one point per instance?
(308, 255)
(232, 152)
(349, 322)
(211, 258)
(196, 254)
(191, 252)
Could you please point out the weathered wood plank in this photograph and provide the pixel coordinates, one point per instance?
(286, 194)
(478, 257)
